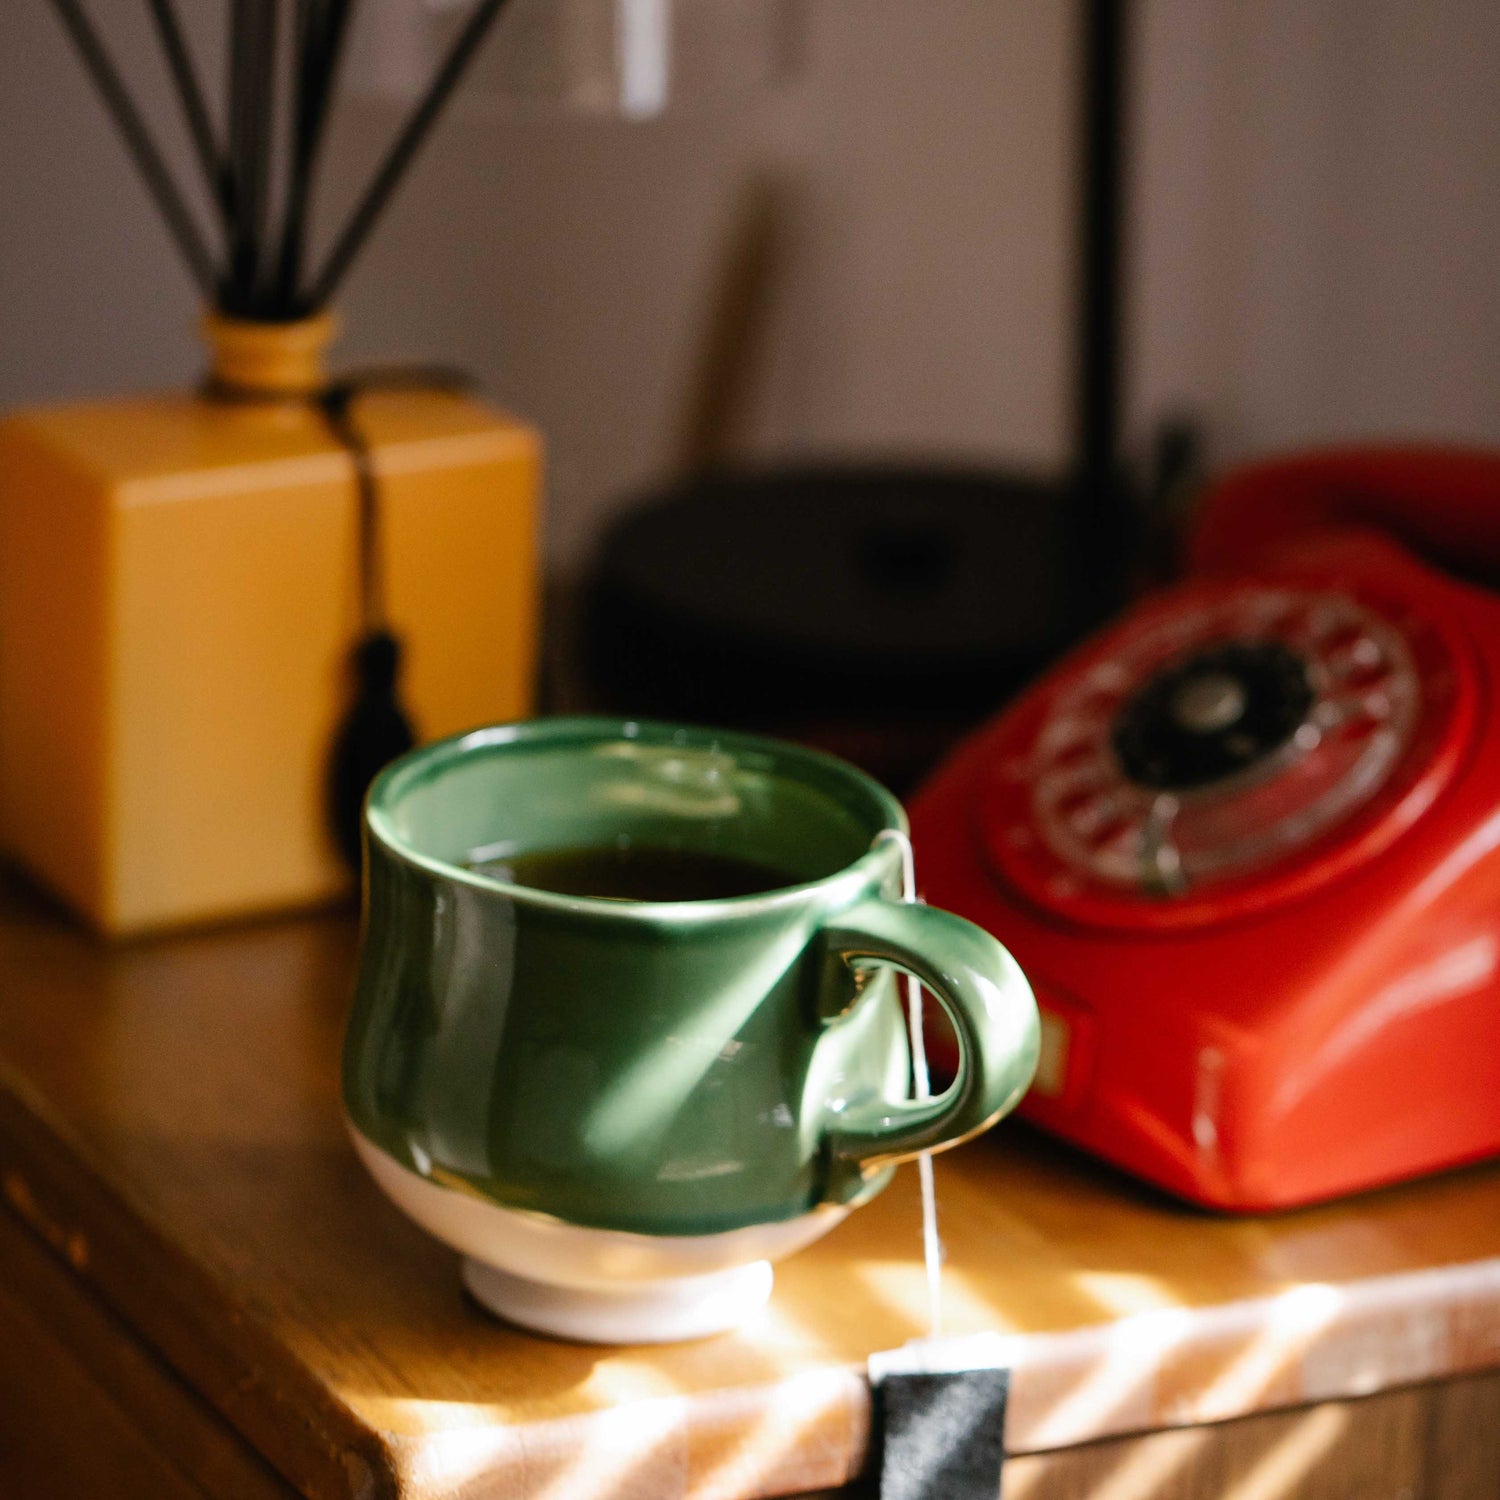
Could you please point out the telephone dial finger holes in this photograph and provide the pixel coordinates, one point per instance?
(1222, 737)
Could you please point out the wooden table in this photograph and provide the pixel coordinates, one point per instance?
(202, 1294)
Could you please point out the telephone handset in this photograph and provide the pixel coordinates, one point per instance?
(1246, 841)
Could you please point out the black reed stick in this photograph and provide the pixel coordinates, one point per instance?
(321, 28)
(398, 158)
(138, 142)
(310, 66)
(194, 109)
(252, 59)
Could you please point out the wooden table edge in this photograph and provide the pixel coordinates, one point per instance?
(1164, 1368)
(49, 1181)
(1151, 1372)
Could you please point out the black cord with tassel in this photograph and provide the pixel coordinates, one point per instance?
(376, 728)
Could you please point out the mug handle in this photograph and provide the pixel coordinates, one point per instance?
(994, 1017)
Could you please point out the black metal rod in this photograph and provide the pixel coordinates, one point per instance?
(322, 26)
(194, 109)
(1104, 69)
(1103, 516)
(140, 145)
(405, 146)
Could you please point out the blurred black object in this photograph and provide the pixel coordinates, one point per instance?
(877, 612)
(881, 611)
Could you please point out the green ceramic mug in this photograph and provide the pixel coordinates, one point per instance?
(621, 1111)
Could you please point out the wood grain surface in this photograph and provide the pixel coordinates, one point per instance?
(170, 1131)
(1439, 1441)
(86, 1409)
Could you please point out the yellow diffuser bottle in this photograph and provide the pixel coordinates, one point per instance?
(222, 611)
(180, 591)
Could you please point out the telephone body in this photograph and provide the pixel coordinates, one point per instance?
(1245, 842)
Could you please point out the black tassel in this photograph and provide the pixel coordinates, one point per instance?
(376, 729)
(374, 732)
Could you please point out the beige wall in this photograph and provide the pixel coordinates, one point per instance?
(1316, 212)
(917, 299)
(1318, 219)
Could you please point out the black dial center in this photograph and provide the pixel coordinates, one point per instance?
(1212, 715)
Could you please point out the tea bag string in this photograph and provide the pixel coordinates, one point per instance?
(932, 1249)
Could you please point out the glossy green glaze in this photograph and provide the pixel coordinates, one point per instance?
(668, 1068)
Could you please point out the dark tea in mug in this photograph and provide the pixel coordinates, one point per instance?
(638, 873)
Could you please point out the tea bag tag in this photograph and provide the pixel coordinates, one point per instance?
(939, 1418)
(939, 1404)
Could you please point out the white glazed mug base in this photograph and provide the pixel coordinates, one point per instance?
(597, 1285)
(659, 1312)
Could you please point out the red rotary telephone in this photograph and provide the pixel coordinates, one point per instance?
(1246, 842)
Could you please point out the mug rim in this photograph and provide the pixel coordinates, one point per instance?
(432, 759)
